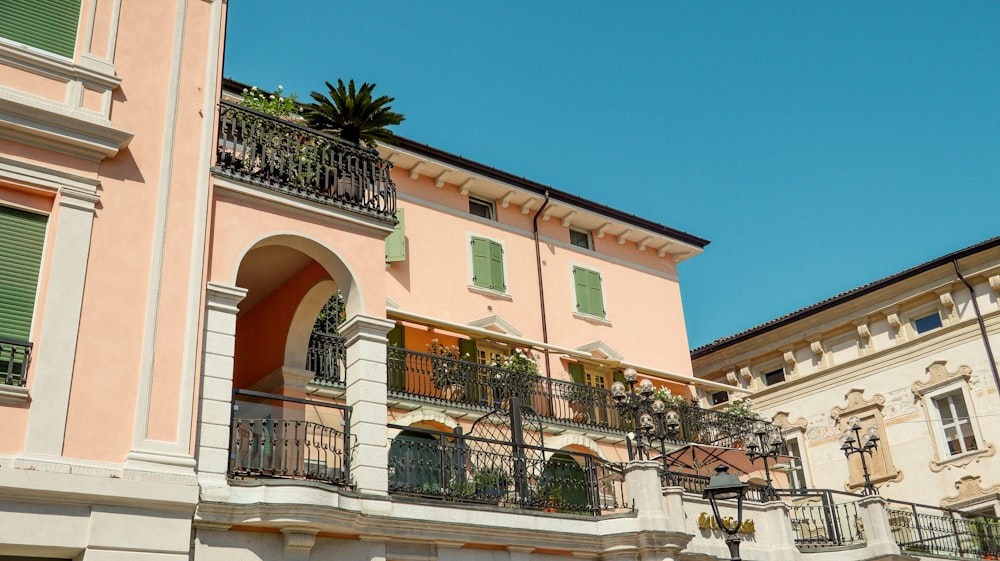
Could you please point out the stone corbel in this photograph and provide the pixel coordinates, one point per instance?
(947, 303)
(745, 374)
(894, 323)
(864, 336)
(731, 378)
(298, 543)
(789, 357)
(995, 283)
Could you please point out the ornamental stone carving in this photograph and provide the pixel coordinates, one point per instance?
(856, 402)
(781, 419)
(995, 283)
(938, 375)
(893, 320)
(971, 491)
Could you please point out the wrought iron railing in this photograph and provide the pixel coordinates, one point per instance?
(14, 359)
(276, 436)
(471, 385)
(300, 161)
(443, 466)
(693, 483)
(937, 531)
(327, 358)
(825, 519)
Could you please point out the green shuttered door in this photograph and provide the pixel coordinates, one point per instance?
(22, 235)
(49, 25)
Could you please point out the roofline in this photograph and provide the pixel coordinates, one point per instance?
(843, 297)
(523, 183)
(540, 190)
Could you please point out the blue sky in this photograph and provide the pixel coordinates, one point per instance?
(819, 145)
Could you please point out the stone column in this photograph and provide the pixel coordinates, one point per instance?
(659, 516)
(366, 394)
(216, 403)
(878, 533)
(781, 536)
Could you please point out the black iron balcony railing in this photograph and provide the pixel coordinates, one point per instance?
(327, 357)
(693, 483)
(454, 467)
(14, 359)
(825, 519)
(413, 374)
(276, 436)
(937, 531)
(300, 161)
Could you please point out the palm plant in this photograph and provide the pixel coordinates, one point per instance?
(353, 113)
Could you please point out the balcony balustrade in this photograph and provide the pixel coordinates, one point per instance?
(284, 437)
(936, 531)
(14, 359)
(296, 160)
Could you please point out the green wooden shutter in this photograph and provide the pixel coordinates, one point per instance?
(469, 352)
(397, 337)
(620, 377)
(577, 374)
(496, 266)
(395, 243)
(22, 235)
(49, 26)
(481, 270)
(589, 293)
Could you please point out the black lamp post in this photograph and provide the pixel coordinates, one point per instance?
(855, 444)
(764, 448)
(652, 421)
(724, 486)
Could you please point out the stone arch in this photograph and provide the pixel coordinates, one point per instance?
(569, 441)
(422, 416)
(302, 322)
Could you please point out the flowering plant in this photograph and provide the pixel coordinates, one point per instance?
(669, 399)
(742, 408)
(445, 372)
(518, 373)
(276, 104)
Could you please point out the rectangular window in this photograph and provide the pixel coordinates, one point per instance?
(580, 238)
(773, 377)
(720, 397)
(797, 473)
(49, 26)
(487, 264)
(589, 293)
(482, 208)
(955, 423)
(927, 323)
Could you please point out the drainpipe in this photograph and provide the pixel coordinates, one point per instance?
(541, 286)
(982, 325)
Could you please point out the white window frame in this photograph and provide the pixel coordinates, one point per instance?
(944, 455)
(485, 202)
(798, 438)
(606, 320)
(588, 234)
(911, 316)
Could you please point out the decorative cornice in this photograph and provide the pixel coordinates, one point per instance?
(781, 419)
(970, 491)
(856, 402)
(938, 376)
(937, 466)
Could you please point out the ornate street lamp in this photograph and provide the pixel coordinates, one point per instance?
(652, 422)
(765, 448)
(855, 444)
(724, 486)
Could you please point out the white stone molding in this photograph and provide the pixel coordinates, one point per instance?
(623, 237)
(298, 542)
(602, 229)
(464, 189)
(869, 411)
(415, 172)
(440, 179)
(52, 371)
(566, 440)
(505, 199)
(548, 211)
(567, 219)
(496, 323)
(894, 323)
(949, 314)
(971, 492)
(745, 374)
(864, 337)
(789, 357)
(995, 283)
(782, 420)
(303, 320)
(216, 399)
(366, 394)
(817, 349)
(880, 542)
(601, 350)
(731, 377)
(645, 242)
(527, 206)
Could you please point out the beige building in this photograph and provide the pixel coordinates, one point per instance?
(912, 355)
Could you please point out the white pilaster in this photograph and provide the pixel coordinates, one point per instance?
(53, 371)
(366, 394)
(878, 533)
(216, 403)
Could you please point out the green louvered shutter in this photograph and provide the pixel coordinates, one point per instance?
(589, 293)
(468, 351)
(395, 244)
(481, 271)
(397, 337)
(22, 235)
(577, 374)
(496, 266)
(49, 26)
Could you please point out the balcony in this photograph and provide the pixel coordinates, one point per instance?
(287, 438)
(426, 377)
(298, 161)
(14, 359)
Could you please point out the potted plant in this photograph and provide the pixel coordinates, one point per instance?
(445, 370)
(517, 377)
(353, 113)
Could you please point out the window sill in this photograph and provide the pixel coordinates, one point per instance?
(592, 319)
(490, 292)
(963, 459)
(13, 395)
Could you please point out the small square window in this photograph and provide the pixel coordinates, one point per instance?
(720, 397)
(482, 208)
(580, 238)
(927, 323)
(774, 376)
